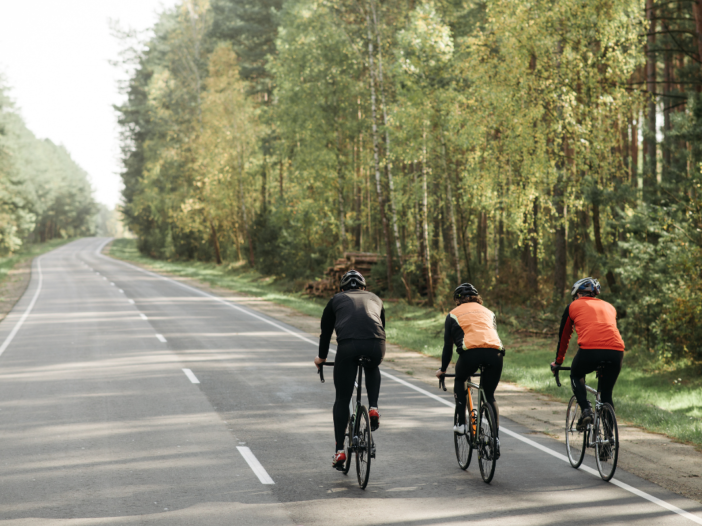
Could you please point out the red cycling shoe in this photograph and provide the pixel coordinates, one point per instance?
(374, 418)
(338, 460)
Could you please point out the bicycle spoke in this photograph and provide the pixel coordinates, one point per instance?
(363, 439)
(462, 443)
(575, 440)
(607, 442)
(487, 433)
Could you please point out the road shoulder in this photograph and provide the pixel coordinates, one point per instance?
(674, 466)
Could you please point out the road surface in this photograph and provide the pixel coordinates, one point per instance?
(129, 398)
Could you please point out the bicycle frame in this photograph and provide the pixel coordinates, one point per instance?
(474, 423)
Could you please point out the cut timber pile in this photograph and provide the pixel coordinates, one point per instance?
(327, 286)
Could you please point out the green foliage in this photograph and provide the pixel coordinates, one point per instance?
(44, 194)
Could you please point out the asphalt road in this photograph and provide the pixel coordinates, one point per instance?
(100, 424)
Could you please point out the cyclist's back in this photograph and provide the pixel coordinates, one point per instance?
(600, 344)
(358, 317)
(472, 329)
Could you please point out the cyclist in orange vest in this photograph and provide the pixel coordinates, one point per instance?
(599, 342)
(473, 330)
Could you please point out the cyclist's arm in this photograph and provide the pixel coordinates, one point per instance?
(448, 342)
(564, 334)
(328, 322)
(382, 316)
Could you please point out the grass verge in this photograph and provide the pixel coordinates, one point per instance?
(659, 397)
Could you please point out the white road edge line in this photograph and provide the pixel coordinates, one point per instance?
(131, 301)
(626, 487)
(255, 465)
(191, 376)
(143, 316)
(17, 326)
(161, 338)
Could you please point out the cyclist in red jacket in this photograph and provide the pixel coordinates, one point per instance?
(599, 341)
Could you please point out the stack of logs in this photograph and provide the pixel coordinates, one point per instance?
(329, 285)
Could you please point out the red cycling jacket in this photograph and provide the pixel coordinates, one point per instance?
(595, 321)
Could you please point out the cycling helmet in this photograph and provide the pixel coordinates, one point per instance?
(586, 286)
(463, 290)
(352, 280)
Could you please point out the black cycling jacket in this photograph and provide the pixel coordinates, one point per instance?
(355, 315)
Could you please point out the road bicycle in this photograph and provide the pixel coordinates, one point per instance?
(481, 432)
(358, 438)
(602, 434)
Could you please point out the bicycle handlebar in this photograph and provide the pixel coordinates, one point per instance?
(557, 370)
(442, 383)
(320, 370)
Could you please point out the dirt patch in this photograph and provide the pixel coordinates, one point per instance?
(13, 286)
(651, 456)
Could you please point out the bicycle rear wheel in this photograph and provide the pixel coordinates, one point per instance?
(464, 449)
(347, 445)
(607, 443)
(487, 434)
(575, 440)
(363, 442)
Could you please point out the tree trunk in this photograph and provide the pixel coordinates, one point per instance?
(667, 88)
(340, 183)
(531, 249)
(598, 242)
(650, 171)
(215, 243)
(264, 187)
(634, 150)
(452, 214)
(252, 259)
(374, 120)
(697, 12)
(559, 278)
(425, 221)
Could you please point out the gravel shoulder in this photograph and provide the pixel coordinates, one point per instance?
(674, 466)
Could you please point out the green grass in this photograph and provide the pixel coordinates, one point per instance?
(26, 252)
(647, 394)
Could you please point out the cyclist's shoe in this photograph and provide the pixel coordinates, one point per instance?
(459, 429)
(497, 449)
(374, 418)
(339, 460)
(584, 420)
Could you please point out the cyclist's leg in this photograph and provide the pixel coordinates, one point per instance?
(344, 377)
(492, 373)
(582, 364)
(465, 366)
(374, 349)
(609, 375)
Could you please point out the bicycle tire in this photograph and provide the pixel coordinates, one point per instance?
(487, 434)
(575, 440)
(363, 443)
(463, 443)
(347, 446)
(607, 442)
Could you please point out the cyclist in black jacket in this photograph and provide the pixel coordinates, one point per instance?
(358, 317)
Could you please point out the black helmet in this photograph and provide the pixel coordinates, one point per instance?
(352, 280)
(586, 286)
(463, 290)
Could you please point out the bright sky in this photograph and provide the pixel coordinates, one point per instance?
(55, 56)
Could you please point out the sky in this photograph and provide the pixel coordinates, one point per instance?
(55, 56)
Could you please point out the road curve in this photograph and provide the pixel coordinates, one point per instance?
(128, 398)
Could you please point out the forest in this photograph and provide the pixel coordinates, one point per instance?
(516, 145)
(44, 194)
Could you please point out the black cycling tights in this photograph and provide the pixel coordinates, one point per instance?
(586, 361)
(468, 363)
(345, 373)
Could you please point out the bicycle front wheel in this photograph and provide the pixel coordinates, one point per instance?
(462, 443)
(347, 445)
(487, 435)
(575, 440)
(363, 442)
(607, 443)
